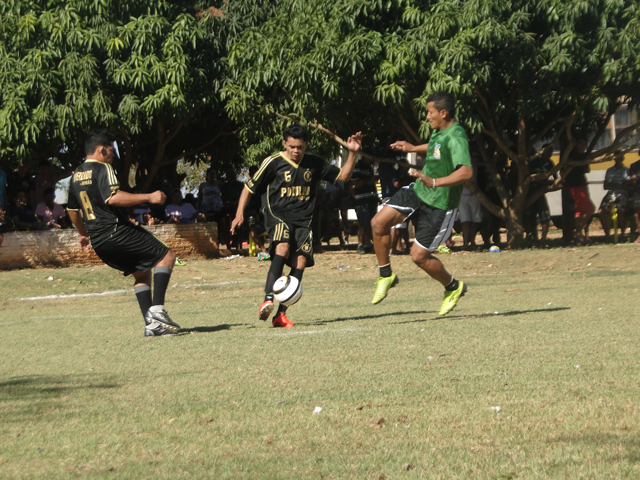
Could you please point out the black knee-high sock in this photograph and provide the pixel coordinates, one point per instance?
(161, 277)
(143, 294)
(293, 273)
(275, 272)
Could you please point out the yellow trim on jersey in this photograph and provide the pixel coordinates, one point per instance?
(250, 191)
(293, 164)
(269, 205)
(265, 163)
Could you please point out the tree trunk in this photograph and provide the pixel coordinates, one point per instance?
(515, 228)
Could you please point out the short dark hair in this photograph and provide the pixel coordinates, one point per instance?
(48, 191)
(443, 101)
(98, 138)
(296, 131)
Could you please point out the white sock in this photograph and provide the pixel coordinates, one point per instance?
(156, 308)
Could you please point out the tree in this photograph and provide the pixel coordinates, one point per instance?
(151, 70)
(523, 72)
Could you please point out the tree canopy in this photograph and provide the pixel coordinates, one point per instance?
(522, 71)
(150, 70)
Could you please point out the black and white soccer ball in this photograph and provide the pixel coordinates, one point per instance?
(287, 290)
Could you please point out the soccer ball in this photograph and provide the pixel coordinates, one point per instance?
(287, 290)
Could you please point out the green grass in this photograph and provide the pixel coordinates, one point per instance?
(551, 337)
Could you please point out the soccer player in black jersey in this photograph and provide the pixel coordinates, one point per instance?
(95, 208)
(287, 182)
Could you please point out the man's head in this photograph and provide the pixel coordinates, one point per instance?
(211, 175)
(44, 167)
(618, 157)
(101, 145)
(21, 198)
(441, 109)
(49, 195)
(581, 144)
(295, 141)
(176, 196)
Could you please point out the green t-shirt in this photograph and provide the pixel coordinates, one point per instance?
(448, 149)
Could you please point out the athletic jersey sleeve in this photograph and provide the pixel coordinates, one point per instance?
(108, 183)
(72, 201)
(459, 148)
(262, 178)
(330, 173)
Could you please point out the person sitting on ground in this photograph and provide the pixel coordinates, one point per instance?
(23, 217)
(180, 211)
(50, 213)
(617, 182)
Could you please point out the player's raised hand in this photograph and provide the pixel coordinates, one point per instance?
(402, 145)
(354, 142)
(158, 197)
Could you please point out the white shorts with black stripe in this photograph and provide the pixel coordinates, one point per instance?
(433, 226)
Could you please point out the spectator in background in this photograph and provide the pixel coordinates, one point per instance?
(470, 209)
(617, 181)
(400, 232)
(634, 190)
(45, 178)
(24, 218)
(3, 189)
(231, 190)
(365, 199)
(180, 211)
(539, 210)
(50, 213)
(210, 198)
(18, 180)
(575, 180)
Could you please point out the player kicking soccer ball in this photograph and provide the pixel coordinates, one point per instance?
(431, 202)
(94, 190)
(287, 182)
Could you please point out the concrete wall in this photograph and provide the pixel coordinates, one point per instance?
(60, 247)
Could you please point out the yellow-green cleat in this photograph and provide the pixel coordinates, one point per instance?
(451, 298)
(383, 284)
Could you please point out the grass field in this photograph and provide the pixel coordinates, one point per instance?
(550, 337)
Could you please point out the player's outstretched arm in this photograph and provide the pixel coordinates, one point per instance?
(354, 142)
(126, 199)
(242, 203)
(77, 221)
(404, 146)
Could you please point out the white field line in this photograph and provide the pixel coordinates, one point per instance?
(309, 332)
(115, 292)
(75, 295)
(52, 317)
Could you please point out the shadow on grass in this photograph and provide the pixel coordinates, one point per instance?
(365, 317)
(213, 328)
(483, 315)
(46, 387)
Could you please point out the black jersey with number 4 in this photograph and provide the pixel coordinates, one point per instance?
(288, 189)
(92, 185)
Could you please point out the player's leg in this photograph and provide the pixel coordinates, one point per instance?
(381, 230)
(432, 227)
(298, 262)
(142, 290)
(279, 254)
(158, 321)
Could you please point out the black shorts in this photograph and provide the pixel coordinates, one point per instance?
(131, 248)
(540, 208)
(298, 235)
(433, 226)
(365, 213)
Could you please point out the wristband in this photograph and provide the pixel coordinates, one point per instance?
(434, 183)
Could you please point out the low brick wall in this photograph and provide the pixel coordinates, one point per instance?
(60, 247)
